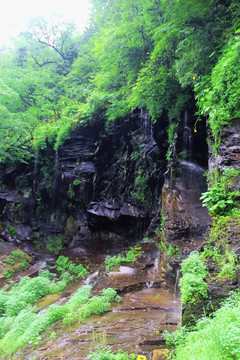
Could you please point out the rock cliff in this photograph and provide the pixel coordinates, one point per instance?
(101, 185)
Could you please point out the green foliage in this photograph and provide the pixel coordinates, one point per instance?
(228, 270)
(148, 55)
(96, 305)
(12, 231)
(221, 199)
(220, 335)
(20, 325)
(218, 95)
(27, 326)
(192, 283)
(54, 246)
(16, 257)
(218, 246)
(173, 251)
(131, 256)
(104, 353)
(65, 266)
(141, 189)
(8, 273)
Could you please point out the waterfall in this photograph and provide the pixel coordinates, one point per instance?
(147, 125)
(35, 171)
(55, 182)
(187, 137)
(176, 282)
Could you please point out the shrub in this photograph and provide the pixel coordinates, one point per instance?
(24, 326)
(192, 283)
(220, 199)
(218, 95)
(131, 256)
(215, 338)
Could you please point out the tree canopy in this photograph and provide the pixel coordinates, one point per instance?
(153, 54)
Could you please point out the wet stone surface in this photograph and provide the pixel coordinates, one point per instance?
(135, 325)
(147, 309)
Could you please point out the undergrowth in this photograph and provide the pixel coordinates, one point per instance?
(131, 256)
(21, 325)
(192, 283)
(212, 338)
(105, 353)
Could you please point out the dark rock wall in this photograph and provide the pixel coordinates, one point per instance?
(99, 185)
(228, 153)
(185, 218)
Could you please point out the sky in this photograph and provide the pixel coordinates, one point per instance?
(15, 14)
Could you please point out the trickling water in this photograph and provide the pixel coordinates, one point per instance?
(192, 175)
(134, 325)
(91, 278)
(55, 183)
(35, 171)
(156, 265)
(149, 284)
(176, 282)
(187, 137)
(147, 125)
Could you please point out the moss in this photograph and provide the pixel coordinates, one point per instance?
(225, 230)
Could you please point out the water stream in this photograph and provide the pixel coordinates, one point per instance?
(149, 306)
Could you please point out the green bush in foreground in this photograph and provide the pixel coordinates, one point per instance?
(192, 283)
(26, 326)
(214, 338)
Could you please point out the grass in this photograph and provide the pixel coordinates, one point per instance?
(104, 353)
(214, 338)
(20, 322)
(131, 256)
(21, 325)
(192, 283)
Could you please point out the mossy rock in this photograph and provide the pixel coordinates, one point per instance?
(12, 260)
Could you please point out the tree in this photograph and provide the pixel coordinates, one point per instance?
(50, 43)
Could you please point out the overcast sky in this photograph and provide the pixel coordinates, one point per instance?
(15, 14)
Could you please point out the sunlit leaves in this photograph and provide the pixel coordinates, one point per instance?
(219, 94)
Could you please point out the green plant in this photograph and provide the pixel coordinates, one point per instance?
(8, 273)
(218, 94)
(211, 251)
(219, 334)
(192, 283)
(162, 246)
(12, 231)
(15, 257)
(104, 353)
(69, 270)
(70, 192)
(53, 335)
(131, 256)
(173, 251)
(141, 189)
(220, 199)
(55, 245)
(77, 182)
(228, 270)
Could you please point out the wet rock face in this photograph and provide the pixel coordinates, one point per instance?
(99, 182)
(115, 176)
(185, 217)
(228, 154)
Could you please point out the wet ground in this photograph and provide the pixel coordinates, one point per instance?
(135, 325)
(149, 306)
